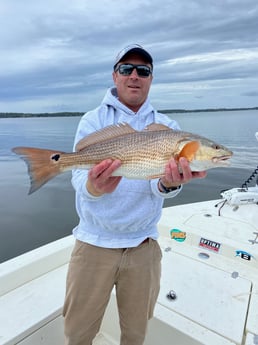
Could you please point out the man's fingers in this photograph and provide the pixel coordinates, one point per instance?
(111, 168)
(105, 168)
(186, 171)
(199, 174)
(100, 179)
(179, 173)
(98, 169)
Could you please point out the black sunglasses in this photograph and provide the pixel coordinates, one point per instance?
(143, 71)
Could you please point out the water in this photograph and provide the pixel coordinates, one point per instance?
(27, 222)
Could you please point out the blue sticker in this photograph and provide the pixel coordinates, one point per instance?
(244, 255)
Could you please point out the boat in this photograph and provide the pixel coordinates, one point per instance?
(209, 282)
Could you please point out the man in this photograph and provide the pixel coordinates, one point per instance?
(116, 238)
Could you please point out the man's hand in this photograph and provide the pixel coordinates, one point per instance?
(175, 177)
(100, 179)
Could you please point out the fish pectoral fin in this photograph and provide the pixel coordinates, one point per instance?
(106, 133)
(189, 150)
(156, 127)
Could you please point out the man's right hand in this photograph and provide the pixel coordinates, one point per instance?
(100, 179)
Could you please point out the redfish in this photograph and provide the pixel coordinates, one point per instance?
(143, 154)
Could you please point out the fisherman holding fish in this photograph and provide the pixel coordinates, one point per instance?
(116, 238)
(127, 159)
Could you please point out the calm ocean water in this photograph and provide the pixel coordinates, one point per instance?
(27, 222)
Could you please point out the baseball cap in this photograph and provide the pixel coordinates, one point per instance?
(133, 48)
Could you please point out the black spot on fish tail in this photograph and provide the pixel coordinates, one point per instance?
(56, 157)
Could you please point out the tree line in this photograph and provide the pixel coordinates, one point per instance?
(79, 113)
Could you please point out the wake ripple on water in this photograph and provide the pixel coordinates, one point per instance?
(244, 157)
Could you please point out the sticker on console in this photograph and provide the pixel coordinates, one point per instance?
(208, 244)
(178, 235)
(244, 255)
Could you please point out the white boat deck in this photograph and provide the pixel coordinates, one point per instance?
(216, 288)
(102, 339)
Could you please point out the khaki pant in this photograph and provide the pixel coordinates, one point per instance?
(92, 274)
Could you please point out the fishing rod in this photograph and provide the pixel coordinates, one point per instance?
(243, 195)
(254, 173)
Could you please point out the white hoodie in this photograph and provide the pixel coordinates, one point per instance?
(130, 214)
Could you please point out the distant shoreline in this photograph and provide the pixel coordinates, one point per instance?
(164, 111)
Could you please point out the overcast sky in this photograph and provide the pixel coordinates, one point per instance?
(57, 55)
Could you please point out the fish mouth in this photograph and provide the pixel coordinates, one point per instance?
(223, 160)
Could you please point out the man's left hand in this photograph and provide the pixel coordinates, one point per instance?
(179, 173)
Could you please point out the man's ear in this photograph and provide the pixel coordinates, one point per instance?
(114, 77)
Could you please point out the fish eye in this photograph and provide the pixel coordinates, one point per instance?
(215, 146)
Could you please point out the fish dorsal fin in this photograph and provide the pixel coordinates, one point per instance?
(106, 133)
(189, 150)
(156, 127)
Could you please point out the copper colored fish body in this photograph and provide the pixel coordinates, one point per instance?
(143, 154)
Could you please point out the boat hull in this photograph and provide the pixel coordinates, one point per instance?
(209, 285)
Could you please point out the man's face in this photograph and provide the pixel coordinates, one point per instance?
(132, 90)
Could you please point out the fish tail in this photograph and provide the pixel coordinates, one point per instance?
(42, 164)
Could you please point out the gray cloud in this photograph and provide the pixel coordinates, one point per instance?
(59, 55)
